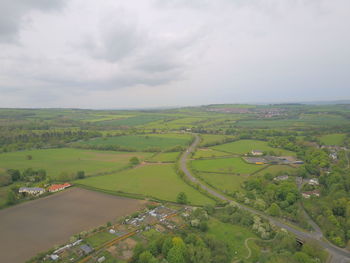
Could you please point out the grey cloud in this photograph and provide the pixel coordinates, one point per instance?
(116, 40)
(13, 11)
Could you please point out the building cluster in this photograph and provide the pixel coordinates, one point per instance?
(270, 159)
(159, 214)
(36, 191)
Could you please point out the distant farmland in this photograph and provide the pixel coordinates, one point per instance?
(36, 226)
(143, 142)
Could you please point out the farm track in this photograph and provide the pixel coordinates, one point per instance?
(338, 255)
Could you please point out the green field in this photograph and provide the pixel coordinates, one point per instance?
(157, 180)
(233, 165)
(56, 161)
(210, 139)
(99, 239)
(164, 157)
(246, 146)
(333, 139)
(224, 182)
(304, 120)
(234, 236)
(132, 121)
(143, 142)
(275, 169)
(208, 153)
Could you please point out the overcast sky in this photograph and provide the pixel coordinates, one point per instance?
(150, 53)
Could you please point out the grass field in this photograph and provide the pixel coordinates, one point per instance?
(99, 239)
(304, 120)
(157, 180)
(224, 182)
(233, 165)
(143, 142)
(246, 146)
(235, 236)
(164, 157)
(275, 169)
(211, 139)
(333, 139)
(208, 153)
(56, 161)
(132, 121)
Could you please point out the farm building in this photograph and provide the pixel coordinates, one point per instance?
(58, 187)
(32, 190)
(256, 153)
(311, 193)
(86, 249)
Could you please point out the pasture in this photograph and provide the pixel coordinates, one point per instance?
(276, 169)
(143, 142)
(46, 222)
(155, 180)
(333, 139)
(246, 146)
(212, 139)
(132, 121)
(56, 161)
(208, 153)
(164, 157)
(233, 165)
(224, 182)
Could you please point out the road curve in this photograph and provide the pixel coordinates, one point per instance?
(339, 255)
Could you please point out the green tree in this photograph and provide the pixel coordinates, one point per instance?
(15, 174)
(182, 198)
(134, 160)
(11, 198)
(147, 257)
(80, 175)
(274, 210)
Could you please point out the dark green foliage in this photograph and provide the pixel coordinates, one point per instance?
(80, 175)
(182, 198)
(134, 160)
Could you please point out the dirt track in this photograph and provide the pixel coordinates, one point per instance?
(36, 226)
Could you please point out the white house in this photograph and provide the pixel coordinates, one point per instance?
(32, 190)
(257, 152)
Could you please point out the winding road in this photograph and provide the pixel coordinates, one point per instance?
(338, 255)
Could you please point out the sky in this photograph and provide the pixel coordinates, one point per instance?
(163, 53)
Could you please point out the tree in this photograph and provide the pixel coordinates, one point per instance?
(147, 257)
(274, 210)
(80, 175)
(15, 174)
(29, 157)
(134, 160)
(182, 198)
(11, 198)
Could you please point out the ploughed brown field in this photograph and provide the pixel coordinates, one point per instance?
(38, 225)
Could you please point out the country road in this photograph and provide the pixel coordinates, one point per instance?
(338, 255)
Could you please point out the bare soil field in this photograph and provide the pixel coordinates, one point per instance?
(38, 225)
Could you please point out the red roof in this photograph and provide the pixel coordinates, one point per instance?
(56, 187)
